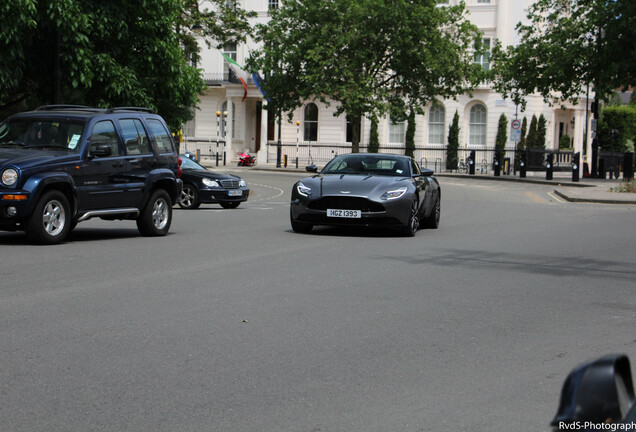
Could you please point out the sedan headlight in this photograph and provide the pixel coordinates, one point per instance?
(242, 183)
(303, 190)
(393, 194)
(210, 183)
(9, 177)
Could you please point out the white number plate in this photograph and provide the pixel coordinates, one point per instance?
(344, 213)
(235, 192)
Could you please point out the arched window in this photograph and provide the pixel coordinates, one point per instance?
(396, 132)
(477, 126)
(224, 120)
(311, 122)
(436, 120)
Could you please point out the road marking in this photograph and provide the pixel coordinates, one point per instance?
(279, 190)
(534, 197)
(556, 198)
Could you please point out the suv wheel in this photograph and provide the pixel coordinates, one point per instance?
(156, 217)
(50, 221)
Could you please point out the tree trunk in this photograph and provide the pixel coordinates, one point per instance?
(356, 122)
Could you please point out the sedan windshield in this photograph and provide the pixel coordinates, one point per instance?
(189, 164)
(54, 134)
(368, 165)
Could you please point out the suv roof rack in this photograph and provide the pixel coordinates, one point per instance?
(148, 110)
(60, 107)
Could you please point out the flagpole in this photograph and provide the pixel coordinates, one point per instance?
(279, 144)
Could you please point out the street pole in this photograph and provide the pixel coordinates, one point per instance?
(218, 134)
(279, 144)
(297, 136)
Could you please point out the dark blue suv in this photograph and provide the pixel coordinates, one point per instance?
(61, 165)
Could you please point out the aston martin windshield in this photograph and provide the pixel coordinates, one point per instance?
(368, 165)
(40, 133)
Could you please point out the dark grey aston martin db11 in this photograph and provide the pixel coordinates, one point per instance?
(367, 189)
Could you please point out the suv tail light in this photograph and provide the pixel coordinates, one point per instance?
(179, 169)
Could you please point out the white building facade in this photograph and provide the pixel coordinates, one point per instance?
(252, 126)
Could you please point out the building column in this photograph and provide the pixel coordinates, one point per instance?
(261, 157)
(229, 136)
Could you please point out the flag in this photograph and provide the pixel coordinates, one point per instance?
(239, 72)
(259, 81)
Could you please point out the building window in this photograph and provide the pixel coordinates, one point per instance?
(483, 1)
(396, 132)
(436, 120)
(477, 126)
(311, 122)
(484, 58)
(229, 49)
(273, 4)
(224, 119)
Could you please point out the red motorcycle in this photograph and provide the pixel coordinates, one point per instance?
(245, 159)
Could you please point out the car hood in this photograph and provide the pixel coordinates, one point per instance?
(25, 158)
(210, 174)
(354, 184)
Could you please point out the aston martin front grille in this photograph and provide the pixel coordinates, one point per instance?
(346, 203)
(230, 184)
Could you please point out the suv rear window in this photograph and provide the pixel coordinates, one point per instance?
(162, 136)
(135, 137)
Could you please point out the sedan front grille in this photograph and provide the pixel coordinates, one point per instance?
(346, 203)
(230, 184)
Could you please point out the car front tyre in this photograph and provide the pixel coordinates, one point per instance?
(432, 220)
(156, 217)
(189, 198)
(413, 222)
(50, 221)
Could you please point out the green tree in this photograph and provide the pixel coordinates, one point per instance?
(374, 138)
(541, 132)
(567, 45)
(532, 139)
(502, 133)
(104, 54)
(521, 145)
(453, 144)
(409, 145)
(369, 56)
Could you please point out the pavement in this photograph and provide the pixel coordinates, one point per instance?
(586, 190)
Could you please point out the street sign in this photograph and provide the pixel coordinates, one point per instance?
(515, 130)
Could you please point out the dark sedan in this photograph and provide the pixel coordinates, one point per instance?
(203, 186)
(367, 190)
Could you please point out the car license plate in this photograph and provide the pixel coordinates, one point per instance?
(235, 193)
(344, 213)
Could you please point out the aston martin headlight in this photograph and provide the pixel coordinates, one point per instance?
(303, 190)
(393, 194)
(242, 183)
(210, 183)
(9, 177)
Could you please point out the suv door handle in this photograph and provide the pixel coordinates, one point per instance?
(118, 164)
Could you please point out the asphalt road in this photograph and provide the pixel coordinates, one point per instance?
(235, 323)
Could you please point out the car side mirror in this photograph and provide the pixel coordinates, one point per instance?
(426, 172)
(311, 168)
(101, 150)
(597, 392)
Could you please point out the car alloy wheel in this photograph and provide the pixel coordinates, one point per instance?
(50, 221)
(413, 223)
(189, 198)
(156, 217)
